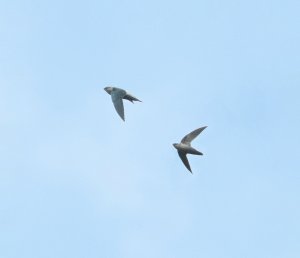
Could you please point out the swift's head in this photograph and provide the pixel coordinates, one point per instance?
(108, 89)
(175, 145)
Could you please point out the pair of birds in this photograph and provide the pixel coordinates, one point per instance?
(183, 148)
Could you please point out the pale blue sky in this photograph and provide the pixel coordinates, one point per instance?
(75, 181)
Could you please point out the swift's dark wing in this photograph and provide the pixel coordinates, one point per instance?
(185, 160)
(192, 135)
(117, 99)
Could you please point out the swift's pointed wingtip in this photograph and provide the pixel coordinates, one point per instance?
(123, 118)
(190, 169)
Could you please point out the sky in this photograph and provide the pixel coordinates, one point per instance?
(76, 181)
